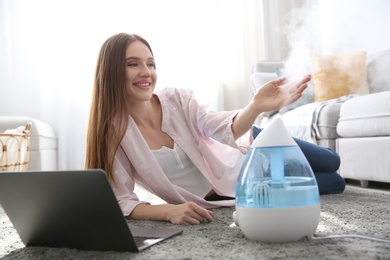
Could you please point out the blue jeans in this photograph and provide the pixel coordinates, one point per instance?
(324, 163)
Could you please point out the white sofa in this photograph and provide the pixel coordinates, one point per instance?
(43, 141)
(364, 142)
(356, 126)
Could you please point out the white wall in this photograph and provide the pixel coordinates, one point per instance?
(355, 25)
(336, 27)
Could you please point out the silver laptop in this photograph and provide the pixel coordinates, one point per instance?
(72, 209)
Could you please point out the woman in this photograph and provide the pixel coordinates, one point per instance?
(166, 141)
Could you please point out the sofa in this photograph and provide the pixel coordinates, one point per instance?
(355, 123)
(364, 138)
(43, 141)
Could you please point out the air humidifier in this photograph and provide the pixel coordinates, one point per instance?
(277, 197)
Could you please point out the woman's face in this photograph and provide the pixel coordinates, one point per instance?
(141, 75)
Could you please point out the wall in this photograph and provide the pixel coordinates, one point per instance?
(355, 25)
(336, 27)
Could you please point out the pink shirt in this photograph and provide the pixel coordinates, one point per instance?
(204, 135)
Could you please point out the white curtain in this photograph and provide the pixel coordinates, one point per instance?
(48, 52)
(249, 31)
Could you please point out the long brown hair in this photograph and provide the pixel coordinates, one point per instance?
(108, 117)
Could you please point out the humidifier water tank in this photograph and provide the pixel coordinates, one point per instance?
(277, 197)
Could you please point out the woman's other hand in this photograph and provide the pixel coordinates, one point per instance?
(186, 213)
(189, 213)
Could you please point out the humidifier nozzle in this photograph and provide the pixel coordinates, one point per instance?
(275, 134)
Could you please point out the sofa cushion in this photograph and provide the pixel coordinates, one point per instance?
(339, 75)
(315, 120)
(365, 116)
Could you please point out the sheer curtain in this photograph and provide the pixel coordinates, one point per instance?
(249, 31)
(48, 52)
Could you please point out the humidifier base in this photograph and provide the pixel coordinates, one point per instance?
(278, 224)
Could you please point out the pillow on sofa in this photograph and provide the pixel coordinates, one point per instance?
(335, 76)
(378, 75)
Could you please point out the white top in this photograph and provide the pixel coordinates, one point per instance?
(181, 171)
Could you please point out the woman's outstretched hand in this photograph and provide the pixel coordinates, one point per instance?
(278, 93)
(270, 97)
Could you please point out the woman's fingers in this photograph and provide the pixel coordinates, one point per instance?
(305, 79)
(279, 81)
(299, 86)
(199, 213)
(202, 214)
(190, 213)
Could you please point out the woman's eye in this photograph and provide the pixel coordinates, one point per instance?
(132, 64)
(152, 65)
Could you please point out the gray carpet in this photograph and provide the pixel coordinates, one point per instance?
(358, 211)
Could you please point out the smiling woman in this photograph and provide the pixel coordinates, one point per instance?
(48, 54)
(134, 129)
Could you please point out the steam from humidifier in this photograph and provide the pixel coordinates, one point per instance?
(277, 197)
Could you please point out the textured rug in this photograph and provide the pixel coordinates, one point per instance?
(364, 212)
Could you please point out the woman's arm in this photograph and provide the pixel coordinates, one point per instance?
(186, 213)
(271, 96)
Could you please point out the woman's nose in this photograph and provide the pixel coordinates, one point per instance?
(145, 71)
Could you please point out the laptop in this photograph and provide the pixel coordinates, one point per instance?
(72, 209)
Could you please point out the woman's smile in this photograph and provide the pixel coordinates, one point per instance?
(142, 85)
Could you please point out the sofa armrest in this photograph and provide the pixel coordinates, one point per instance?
(43, 141)
(365, 116)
